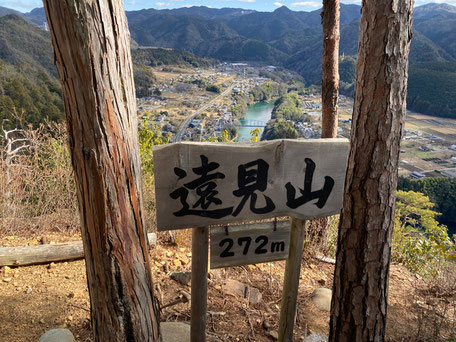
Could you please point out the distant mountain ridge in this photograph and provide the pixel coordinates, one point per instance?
(209, 13)
(283, 37)
(432, 9)
(279, 37)
(6, 11)
(286, 38)
(37, 16)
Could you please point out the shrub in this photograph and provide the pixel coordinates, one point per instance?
(419, 242)
(149, 136)
(213, 88)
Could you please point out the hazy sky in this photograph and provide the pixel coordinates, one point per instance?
(259, 5)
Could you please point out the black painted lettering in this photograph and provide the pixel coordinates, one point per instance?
(277, 246)
(226, 252)
(260, 249)
(247, 241)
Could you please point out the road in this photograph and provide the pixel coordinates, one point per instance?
(189, 119)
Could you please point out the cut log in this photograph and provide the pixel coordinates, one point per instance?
(32, 255)
(325, 259)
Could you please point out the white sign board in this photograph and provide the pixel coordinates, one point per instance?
(203, 184)
(249, 243)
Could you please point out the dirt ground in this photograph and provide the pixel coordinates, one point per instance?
(34, 299)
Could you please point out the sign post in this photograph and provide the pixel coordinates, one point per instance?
(200, 245)
(198, 185)
(291, 281)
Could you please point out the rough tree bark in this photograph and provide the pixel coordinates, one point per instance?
(92, 49)
(330, 20)
(359, 303)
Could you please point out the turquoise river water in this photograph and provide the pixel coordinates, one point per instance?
(258, 112)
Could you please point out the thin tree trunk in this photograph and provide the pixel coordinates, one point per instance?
(318, 229)
(359, 303)
(330, 19)
(92, 49)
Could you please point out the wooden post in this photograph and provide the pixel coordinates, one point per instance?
(291, 281)
(200, 249)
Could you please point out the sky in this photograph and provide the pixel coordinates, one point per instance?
(259, 5)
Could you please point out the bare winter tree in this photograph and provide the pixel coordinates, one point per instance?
(15, 143)
(92, 48)
(359, 303)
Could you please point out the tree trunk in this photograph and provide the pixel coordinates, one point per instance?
(92, 50)
(330, 18)
(318, 229)
(359, 303)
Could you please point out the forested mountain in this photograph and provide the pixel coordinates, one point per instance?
(294, 40)
(270, 26)
(432, 88)
(204, 37)
(157, 56)
(270, 37)
(36, 16)
(284, 36)
(29, 87)
(440, 29)
(22, 43)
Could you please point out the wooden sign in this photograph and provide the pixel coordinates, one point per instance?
(249, 243)
(203, 184)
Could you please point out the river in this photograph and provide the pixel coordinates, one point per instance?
(258, 112)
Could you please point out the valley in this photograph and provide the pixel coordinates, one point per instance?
(185, 111)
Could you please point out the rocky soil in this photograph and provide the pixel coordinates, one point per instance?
(34, 299)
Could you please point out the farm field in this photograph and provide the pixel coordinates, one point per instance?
(428, 145)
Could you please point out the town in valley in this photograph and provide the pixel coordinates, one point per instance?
(198, 104)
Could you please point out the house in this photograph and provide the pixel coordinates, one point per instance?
(449, 174)
(417, 175)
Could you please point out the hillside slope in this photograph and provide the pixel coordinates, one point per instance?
(30, 91)
(22, 42)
